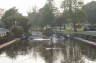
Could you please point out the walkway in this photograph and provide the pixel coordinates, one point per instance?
(86, 41)
(8, 43)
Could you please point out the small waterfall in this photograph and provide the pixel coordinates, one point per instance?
(54, 38)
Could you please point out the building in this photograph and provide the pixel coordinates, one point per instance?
(3, 32)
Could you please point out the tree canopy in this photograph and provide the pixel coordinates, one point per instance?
(34, 17)
(90, 10)
(47, 13)
(73, 12)
(13, 18)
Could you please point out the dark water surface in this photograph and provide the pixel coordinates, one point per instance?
(62, 51)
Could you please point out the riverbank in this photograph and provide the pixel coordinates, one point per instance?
(89, 35)
(8, 43)
(86, 41)
(85, 36)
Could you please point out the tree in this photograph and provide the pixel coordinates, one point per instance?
(47, 13)
(59, 21)
(24, 22)
(13, 18)
(9, 17)
(18, 31)
(90, 10)
(73, 12)
(34, 17)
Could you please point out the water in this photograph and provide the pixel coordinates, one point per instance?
(62, 51)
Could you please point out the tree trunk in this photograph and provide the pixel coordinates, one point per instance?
(64, 26)
(74, 27)
(60, 27)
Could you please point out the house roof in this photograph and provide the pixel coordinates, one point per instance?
(2, 30)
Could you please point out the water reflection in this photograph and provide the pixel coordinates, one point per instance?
(20, 47)
(63, 51)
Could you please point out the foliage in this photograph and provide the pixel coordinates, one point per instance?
(73, 12)
(12, 19)
(18, 31)
(24, 22)
(90, 10)
(79, 17)
(47, 13)
(48, 32)
(92, 26)
(43, 17)
(34, 17)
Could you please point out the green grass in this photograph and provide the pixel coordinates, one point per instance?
(69, 30)
(87, 33)
(92, 33)
(83, 33)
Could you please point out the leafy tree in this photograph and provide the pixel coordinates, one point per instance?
(34, 17)
(73, 12)
(90, 10)
(18, 31)
(47, 13)
(59, 21)
(24, 22)
(12, 18)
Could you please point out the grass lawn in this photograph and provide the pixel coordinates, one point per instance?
(92, 33)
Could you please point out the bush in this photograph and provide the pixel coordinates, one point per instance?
(18, 31)
(48, 32)
(92, 26)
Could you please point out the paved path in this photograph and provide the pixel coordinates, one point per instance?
(8, 43)
(86, 41)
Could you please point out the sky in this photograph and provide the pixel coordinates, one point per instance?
(24, 6)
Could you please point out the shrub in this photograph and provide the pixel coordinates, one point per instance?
(18, 31)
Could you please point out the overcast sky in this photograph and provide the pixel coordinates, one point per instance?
(26, 5)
